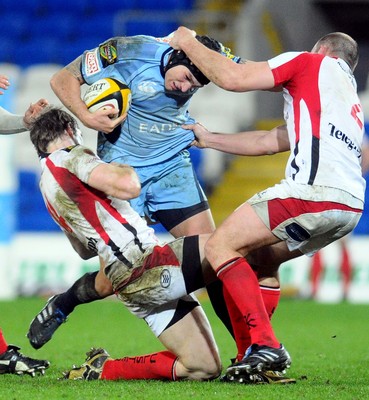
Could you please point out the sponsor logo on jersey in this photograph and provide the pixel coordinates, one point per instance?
(165, 278)
(343, 137)
(108, 53)
(92, 63)
(147, 87)
(157, 128)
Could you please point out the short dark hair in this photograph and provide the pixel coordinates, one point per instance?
(51, 124)
(341, 45)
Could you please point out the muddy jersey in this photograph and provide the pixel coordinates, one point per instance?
(152, 132)
(109, 227)
(324, 120)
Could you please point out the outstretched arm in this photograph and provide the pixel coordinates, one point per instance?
(248, 143)
(13, 123)
(223, 72)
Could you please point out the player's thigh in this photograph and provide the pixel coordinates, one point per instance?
(271, 256)
(192, 340)
(267, 260)
(242, 231)
(197, 224)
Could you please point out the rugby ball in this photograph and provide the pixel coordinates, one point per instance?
(108, 93)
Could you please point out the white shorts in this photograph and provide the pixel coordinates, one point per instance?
(163, 316)
(307, 217)
(157, 290)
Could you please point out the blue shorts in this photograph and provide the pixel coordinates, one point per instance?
(170, 185)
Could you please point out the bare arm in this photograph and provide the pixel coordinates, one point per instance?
(248, 143)
(223, 72)
(13, 123)
(117, 180)
(66, 84)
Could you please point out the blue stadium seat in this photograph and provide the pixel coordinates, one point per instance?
(112, 6)
(149, 27)
(30, 207)
(15, 25)
(37, 51)
(61, 26)
(97, 25)
(8, 48)
(167, 5)
(29, 7)
(79, 8)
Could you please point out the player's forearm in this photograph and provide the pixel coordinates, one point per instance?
(247, 143)
(216, 67)
(251, 143)
(11, 123)
(67, 87)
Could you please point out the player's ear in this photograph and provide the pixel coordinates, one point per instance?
(70, 131)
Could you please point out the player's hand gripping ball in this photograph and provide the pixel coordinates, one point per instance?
(108, 93)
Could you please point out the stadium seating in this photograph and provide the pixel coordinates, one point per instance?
(62, 26)
(167, 5)
(102, 6)
(39, 37)
(16, 26)
(148, 27)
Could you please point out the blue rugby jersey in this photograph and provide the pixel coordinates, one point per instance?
(152, 132)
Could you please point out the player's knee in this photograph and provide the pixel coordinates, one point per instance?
(210, 249)
(103, 286)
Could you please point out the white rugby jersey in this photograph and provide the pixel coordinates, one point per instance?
(107, 226)
(324, 120)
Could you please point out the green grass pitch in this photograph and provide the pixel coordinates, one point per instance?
(329, 345)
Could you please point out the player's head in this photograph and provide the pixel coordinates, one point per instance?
(338, 44)
(181, 75)
(179, 57)
(53, 124)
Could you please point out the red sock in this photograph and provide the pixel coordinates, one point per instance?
(271, 296)
(3, 344)
(241, 283)
(346, 269)
(240, 329)
(242, 337)
(316, 272)
(149, 366)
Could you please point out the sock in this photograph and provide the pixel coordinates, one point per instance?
(346, 269)
(242, 285)
(3, 344)
(315, 273)
(216, 295)
(240, 329)
(271, 296)
(150, 366)
(81, 292)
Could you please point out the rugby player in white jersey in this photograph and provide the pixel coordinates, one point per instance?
(11, 360)
(87, 198)
(322, 196)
